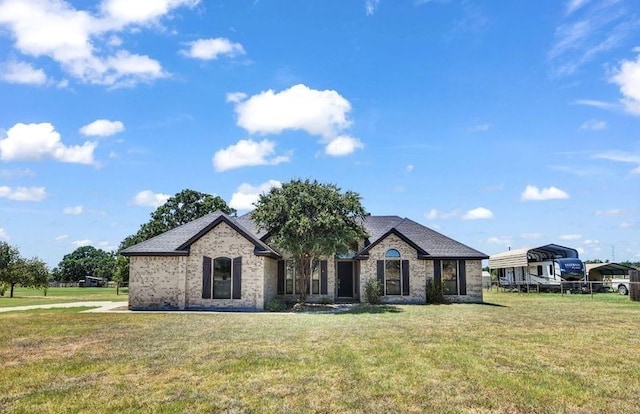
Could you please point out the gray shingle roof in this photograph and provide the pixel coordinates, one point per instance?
(177, 241)
(427, 242)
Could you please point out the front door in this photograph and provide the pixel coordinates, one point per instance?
(345, 279)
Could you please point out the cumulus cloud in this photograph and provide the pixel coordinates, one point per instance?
(247, 195)
(81, 243)
(435, 214)
(533, 193)
(594, 125)
(479, 213)
(23, 193)
(18, 173)
(570, 237)
(74, 210)
(501, 240)
(409, 168)
(299, 108)
(247, 152)
(147, 198)
(479, 128)
(102, 128)
(81, 41)
(22, 73)
(3, 234)
(627, 77)
(40, 141)
(210, 49)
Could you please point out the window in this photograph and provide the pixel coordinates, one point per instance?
(453, 274)
(393, 274)
(291, 279)
(221, 278)
(450, 277)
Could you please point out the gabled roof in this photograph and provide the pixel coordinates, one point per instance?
(177, 242)
(429, 244)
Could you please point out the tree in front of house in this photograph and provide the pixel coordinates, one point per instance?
(86, 261)
(310, 220)
(185, 206)
(16, 270)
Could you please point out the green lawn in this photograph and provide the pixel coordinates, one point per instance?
(27, 296)
(530, 354)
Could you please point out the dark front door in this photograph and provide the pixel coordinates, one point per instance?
(345, 279)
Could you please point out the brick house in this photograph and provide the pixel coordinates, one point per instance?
(222, 262)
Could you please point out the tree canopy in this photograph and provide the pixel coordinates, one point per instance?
(185, 206)
(310, 220)
(85, 261)
(16, 270)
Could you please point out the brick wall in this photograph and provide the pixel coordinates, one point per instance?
(154, 281)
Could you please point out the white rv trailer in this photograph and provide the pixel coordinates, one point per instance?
(545, 267)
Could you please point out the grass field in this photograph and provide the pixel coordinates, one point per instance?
(27, 296)
(528, 354)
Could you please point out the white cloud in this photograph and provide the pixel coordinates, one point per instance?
(590, 242)
(247, 152)
(74, 210)
(628, 225)
(209, 49)
(479, 128)
(570, 237)
(40, 141)
(3, 235)
(614, 212)
(581, 250)
(147, 198)
(81, 243)
(531, 236)
(82, 42)
(320, 113)
(532, 193)
(479, 213)
(501, 240)
(588, 31)
(574, 5)
(435, 214)
(621, 156)
(370, 6)
(236, 97)
(102, 128)
(595, 103)
(18, 173)
(62, 237)
(246, 195)
(22, 73)
(343, 145)
(23, 193)
(409, 168)
(627, 77)
(594, 125)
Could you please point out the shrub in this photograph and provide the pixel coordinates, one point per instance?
(435, 292)
(3, 288)
(276, 305)
(373, 291)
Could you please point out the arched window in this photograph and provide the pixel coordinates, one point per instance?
(392, 273)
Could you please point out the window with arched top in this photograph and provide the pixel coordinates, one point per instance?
(392, 253)
(221, 278)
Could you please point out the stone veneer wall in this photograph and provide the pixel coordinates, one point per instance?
(270, 280)
(154, 281)
(474, 283)
(417, 270)
(224, 241)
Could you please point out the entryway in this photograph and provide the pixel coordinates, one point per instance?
(345, 279)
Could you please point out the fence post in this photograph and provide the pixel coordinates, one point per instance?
(634, 285)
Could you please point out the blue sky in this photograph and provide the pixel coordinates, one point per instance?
(497, 123)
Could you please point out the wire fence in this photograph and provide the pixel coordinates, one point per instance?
(623, 287)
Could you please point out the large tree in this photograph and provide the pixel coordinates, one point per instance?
(185, 206)
(86, 261)
(310, 220)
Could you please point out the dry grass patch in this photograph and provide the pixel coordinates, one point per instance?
(536, 353)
